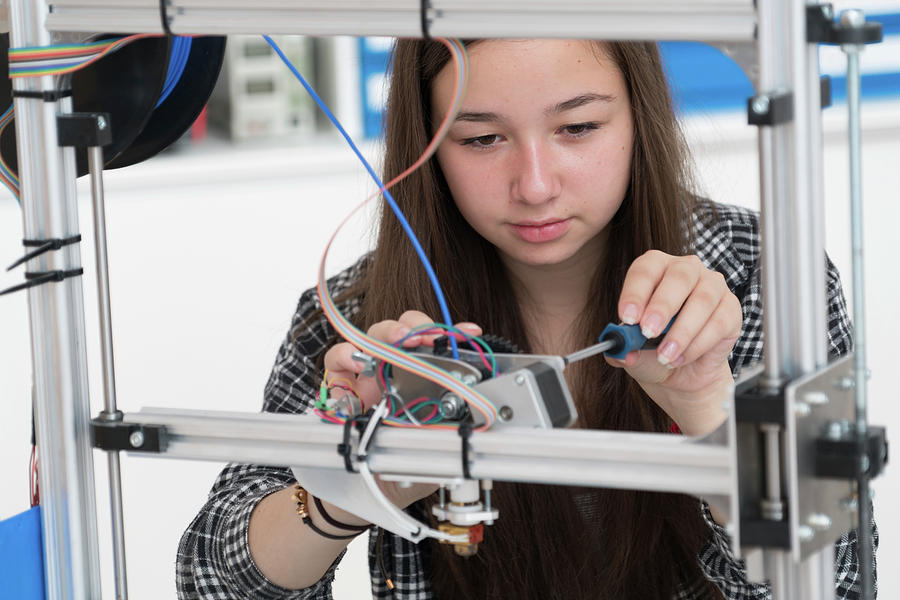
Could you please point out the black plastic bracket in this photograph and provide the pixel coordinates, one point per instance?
(765, 534)
(752, 404)
(83, 130)
(844, 459)
(825, 90)
(134, 437)
(770, 109)
(823, 29)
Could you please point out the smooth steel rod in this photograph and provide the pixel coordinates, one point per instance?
(95, 165)
(856, 18)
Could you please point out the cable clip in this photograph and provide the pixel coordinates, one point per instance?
(40, 278)
(43, 246)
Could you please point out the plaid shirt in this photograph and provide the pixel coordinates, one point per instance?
(214, 557)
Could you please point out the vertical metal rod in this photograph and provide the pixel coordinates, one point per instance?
(816, 573)
(95, 164)
(56, 315)
(856, 18)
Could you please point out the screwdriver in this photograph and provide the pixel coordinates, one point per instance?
(617, 341)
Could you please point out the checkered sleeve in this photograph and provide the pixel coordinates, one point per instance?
(727, 240)
(213, 560)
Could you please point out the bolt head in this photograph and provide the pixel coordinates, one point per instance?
(815, 398)
(845, 383)
(520, 380)
(819, 521)
(506, 413)
(760, 105)
(101, 123)
(136, 439)
(853, 18)
(801, 409)
(805, 533)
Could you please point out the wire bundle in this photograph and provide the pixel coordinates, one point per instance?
(8, 178)
(36, 61)
(371, 346)
(401, 413)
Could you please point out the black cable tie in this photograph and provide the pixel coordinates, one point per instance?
(43, 246)
(164, 17)
(465, 432)
(40, 278)
(423, 19)
(46, 96)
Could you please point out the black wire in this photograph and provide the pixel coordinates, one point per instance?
(164, 17)
(465, 432)
(423, 18)
(379, 550)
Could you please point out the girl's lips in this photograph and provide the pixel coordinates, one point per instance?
(541, 232)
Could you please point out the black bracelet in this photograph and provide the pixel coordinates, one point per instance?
(334, 522)
(301, 496)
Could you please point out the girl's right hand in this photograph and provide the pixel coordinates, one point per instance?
(340, 365)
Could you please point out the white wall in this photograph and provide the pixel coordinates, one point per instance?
(210, 250)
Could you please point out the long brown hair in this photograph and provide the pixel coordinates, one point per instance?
(635, 544)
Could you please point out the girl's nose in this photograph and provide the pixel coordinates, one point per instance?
(535, 178)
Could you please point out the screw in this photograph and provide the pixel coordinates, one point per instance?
(845, 383)
(101, 123)
(506, 413)
(801, 409)
(833, 430)
(805, 533)
(864, 463)
(469, 379)
(819, 521)
(761, 105)
(850, 504)
(520, 380)
(815, 398)
(136, 439)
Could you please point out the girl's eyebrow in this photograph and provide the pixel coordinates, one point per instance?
(560, 107)
(577, 101)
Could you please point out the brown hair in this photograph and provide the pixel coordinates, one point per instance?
(635, 544)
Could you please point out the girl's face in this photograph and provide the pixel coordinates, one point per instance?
(538, 159)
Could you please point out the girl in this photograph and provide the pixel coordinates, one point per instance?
(559, 201)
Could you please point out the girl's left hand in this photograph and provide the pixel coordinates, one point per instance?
(688, 374)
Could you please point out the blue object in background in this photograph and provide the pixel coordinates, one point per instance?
(702, 79)
(22, 556)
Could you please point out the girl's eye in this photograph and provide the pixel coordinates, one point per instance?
(579, 129)
(482, 141)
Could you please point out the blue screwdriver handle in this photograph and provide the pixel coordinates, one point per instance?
(628, 338)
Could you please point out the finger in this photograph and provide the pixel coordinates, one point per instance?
(392, 331)
(693, 316)
(718, 335)
(641, 279)
(339, 360)
(679, 281)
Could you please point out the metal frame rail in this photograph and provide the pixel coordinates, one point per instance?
(775, 32)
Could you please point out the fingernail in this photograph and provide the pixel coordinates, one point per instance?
(667, 353)
(651, 326)
(468, 325)
(630, 314)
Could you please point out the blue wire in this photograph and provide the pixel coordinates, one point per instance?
(445, 311)
(178, 57)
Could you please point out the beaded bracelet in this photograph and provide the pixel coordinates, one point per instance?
(301, 497)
